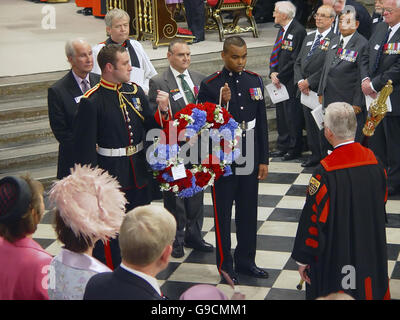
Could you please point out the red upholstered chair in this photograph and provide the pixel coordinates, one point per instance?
(239, 9)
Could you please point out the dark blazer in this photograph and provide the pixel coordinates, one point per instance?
(341, 79)
(375, 19)
(119, 285)
(294, 36)
(167, 82)
(389, 66)
(311, 68)
(63, 106)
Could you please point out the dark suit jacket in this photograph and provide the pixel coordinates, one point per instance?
(119, 285)
(62, 108)
(389, 66)
(311, 68)
(341, 80)
(166, 82)
(287, 56)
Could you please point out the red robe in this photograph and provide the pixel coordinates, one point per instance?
(341, 232)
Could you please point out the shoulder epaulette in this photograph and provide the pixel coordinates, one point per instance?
(251, 72)
(311, 32)
(90, 91)
(213, 76)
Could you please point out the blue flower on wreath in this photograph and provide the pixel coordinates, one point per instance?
(190, 192)
(161, 154)
(199, 117)
(167, 177)
(228, 171)
(232, 125)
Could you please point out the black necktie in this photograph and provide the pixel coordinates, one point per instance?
(380, 51)
(127, 44)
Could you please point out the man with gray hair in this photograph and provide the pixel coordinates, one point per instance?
(63, 98)
(117, 27)
(145, 239)
(340, 243)
(289, 113)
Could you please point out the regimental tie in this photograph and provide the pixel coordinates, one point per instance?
(273, 62)
(314, 46)
(186, 89)
(380, 51)
(85, 86)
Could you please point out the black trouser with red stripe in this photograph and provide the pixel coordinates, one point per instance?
(243, 189)
(109, 253)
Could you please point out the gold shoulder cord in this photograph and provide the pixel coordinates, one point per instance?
(122, 103)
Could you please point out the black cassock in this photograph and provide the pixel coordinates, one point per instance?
(341, 232)
(114, 116)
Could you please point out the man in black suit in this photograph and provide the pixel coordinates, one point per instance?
(289, 113)
(383, 63)
(341, 75)
(307, 73)
(195, 17)
(377, 15)
(180, 86)
(63, 98)
(145, 239)
(364, 17)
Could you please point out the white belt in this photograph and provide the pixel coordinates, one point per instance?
(245, 126)
(120, 152)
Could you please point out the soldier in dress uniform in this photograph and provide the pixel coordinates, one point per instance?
(241, 92)
(307, 73)
(109, 132)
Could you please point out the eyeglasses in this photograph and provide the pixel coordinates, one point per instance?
(388, 10)
(318, 15)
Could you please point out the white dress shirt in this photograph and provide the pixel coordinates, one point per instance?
(179, 82)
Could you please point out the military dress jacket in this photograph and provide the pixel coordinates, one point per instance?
(114, 116)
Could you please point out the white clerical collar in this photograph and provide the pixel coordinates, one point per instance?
(344, 143)
(152, 281)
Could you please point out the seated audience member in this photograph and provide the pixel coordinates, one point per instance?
(117, 27)
(89, 207)
(24, 263)
(145, 239)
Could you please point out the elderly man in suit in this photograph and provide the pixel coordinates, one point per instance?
(365, 26)
(63, 98)
(177, 87)
(341, 75)
(307, 73)
(145, 239)
(289, 113)
(383, 63)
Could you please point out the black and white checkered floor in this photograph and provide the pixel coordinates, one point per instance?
(281, 198)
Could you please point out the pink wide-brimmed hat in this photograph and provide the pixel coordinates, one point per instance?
(90, 202)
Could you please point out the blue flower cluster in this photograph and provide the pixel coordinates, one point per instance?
(161, 153)
(199, 117)
(190, 192)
